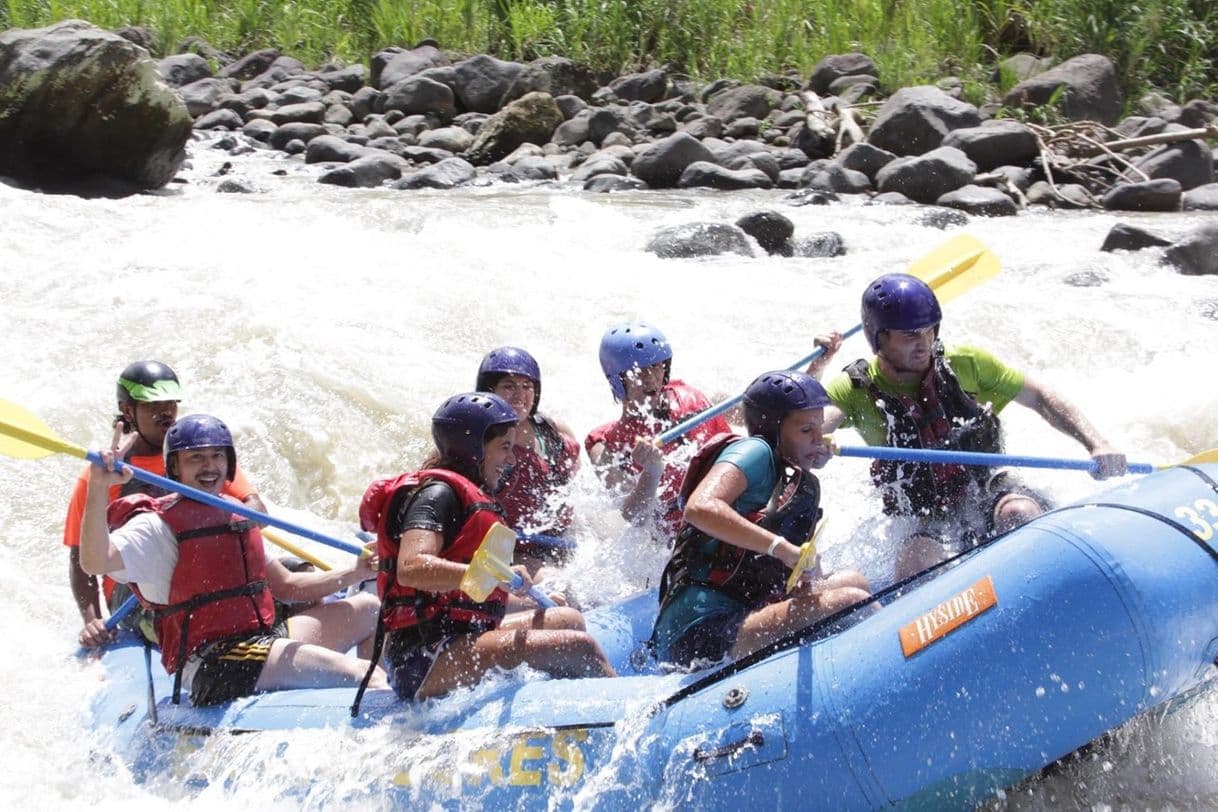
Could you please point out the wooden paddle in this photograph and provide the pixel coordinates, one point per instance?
(25, 437)
(957, 266)
(492, 566)
(1014, 460)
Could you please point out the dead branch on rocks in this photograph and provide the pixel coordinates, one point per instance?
(832, 122)
(1093, 155)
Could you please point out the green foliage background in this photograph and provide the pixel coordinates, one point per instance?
(1166, 45)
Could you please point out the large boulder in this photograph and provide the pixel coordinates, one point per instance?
(995, 143)
(926, 178)
(700, 240)
(555, 75)
(1195, 253)
(838, 66)
(1084, 88)
(755, 101)
(482, 81)
(78, 104)
(420, 94)
(530, 119)
(650, 86)
(915, 120)
(392, 65)
(1189, 162)
(1153, 195)
(660, 165)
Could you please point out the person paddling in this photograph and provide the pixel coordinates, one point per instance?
(546, 454)
(429, 524)
(750, 503)
(637, 361)
(915, 393)
(204, 575)
(148, 393)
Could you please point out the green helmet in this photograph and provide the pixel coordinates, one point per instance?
(148, 382)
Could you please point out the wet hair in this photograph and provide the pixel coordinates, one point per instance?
(463, 467)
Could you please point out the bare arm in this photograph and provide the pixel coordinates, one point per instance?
(710, 510)
(1064, 416)
(640, 502)
(98, 554)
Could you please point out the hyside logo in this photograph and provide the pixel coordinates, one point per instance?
(947, 616)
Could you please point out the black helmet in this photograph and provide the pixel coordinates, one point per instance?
(147, 382)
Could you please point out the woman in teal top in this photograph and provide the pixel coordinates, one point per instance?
(750, 503)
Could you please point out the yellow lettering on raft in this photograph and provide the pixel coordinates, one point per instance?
(523, 751)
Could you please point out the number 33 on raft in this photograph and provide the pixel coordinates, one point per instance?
(1202, 528)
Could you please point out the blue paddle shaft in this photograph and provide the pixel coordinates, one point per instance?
(227, 504)
(979, 458)
(542, 599)
(681, 429)
(121, 612)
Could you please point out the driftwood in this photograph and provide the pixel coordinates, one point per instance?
(1090, 154)
(831, 122)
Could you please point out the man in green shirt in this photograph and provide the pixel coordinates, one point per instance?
(914, 393)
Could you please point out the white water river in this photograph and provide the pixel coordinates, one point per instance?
(325, 325)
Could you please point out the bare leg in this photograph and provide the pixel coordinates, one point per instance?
(560, 652)
(1013, 510)
(778, 619)
(292, 664)
(338, 625)
(919, 553)
(562, 617)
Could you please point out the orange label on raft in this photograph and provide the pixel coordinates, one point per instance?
(948, 616)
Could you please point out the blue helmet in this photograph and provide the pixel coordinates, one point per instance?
(509, 361)
(629, 346)
(459, 426)
(774, 395)
(198, 431)
(898, 301)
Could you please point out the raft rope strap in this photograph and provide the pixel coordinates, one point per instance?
(823, 627)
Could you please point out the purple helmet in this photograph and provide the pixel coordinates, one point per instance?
(459, 426)
(628, 346)
(198, 431)
(898, 301)
(774, 395)
(509, 361)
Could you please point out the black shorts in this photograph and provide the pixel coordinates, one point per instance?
(710, 640)
(410, 659)
(229, 669)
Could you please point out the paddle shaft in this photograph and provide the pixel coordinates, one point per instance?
(681, 429)
(124, 609)
(980, 458)
(227, 504)
(540, 539)
(542, 599)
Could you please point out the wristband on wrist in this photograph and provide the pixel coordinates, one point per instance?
(774, 544)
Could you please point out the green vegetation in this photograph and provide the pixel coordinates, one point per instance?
(1167, 45)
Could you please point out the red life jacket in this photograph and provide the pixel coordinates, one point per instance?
(433, 613)
(620, 436)
(533, 481)
(218, 589)
(941, 416)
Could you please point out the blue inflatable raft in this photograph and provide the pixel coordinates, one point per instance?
(973, 677)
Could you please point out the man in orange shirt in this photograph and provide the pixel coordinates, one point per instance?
(148, 394)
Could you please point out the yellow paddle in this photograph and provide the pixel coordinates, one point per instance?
(281, 542)
(959, 265)
(492, 566)
(807, 557)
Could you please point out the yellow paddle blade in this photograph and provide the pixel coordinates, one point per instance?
(491, 564)
(26, 437)
(957, 266)
(279, 541)
(1205, 456)
(807, 557)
